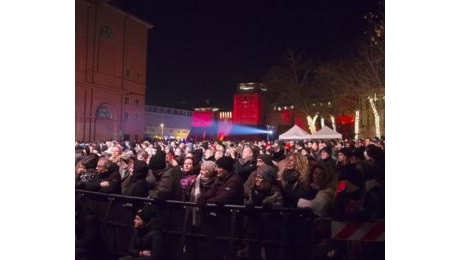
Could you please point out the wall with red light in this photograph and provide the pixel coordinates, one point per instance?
(110, 63)
(247, 109)
(202, 118)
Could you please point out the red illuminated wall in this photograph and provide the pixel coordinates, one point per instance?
(247, 109)
(202, 119)
(110, 65)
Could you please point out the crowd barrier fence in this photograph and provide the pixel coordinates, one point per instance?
(225, 232)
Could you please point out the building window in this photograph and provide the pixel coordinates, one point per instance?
(103, 112)
(126, 115)
(138, 75)
(106, 31)
(126, 100)
(128, 73)
(137, 102)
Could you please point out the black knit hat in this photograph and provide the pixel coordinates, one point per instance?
(158, 161)
(225, 163)
(140, 168)
(327, 149)
(346, 151)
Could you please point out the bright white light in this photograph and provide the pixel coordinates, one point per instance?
(376, 115)
(357, 124)
(333, 121)
(311, 123)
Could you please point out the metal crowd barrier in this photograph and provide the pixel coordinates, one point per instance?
(224, 232)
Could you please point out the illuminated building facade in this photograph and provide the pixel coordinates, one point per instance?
(167, 122)
(110, 72)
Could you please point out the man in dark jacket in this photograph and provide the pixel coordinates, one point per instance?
(228, 188)
(246, 164)
(108, 180)
(166, 185)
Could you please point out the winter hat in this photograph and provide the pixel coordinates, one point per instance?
(346, 151)
(210, 166)
(145, 214)
(90, 161)
(158, 161)
(225, 163)
(266, 158)
(140, 168)
(327, 149)
(375, 152)
(268, 173)
(359, 152)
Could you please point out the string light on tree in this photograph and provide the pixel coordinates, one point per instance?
(333, 123)
(372, 101)
(311, 123)
(357, 118)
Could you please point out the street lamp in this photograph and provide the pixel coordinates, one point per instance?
(162, 128)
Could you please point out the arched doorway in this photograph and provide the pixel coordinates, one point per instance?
(104, 124)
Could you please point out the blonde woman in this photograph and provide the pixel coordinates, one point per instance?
(294, 178)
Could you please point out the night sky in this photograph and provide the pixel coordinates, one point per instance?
(199, 50)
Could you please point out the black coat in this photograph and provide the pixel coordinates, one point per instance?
(112, 176)
(167, 184)
(226, 190)
(245, 169)
(148, 237)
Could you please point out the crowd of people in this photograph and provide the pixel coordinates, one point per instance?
(343, 179)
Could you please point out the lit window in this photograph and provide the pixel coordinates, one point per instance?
(103, 112)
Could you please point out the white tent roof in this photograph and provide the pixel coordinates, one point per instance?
(295, 133)
(326, 133)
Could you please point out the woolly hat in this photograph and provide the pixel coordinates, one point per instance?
(268, 173)
(140, 168)
(225, 163)
(267, 159)
(210, 166)
(327, 149)
(346, 151)
(145, 214)
(359, 152)
(90, 161)
(375, 152)
(158, 161)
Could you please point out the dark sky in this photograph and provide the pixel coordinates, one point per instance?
(200, 49)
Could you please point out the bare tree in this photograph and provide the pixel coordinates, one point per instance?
(296, 81)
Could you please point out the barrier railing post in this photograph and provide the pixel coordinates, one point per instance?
(232, 234)
(184, 227)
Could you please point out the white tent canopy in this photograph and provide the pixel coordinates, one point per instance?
(326, 133)
(295, 133)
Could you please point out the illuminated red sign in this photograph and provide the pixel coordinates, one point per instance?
(247, 109)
